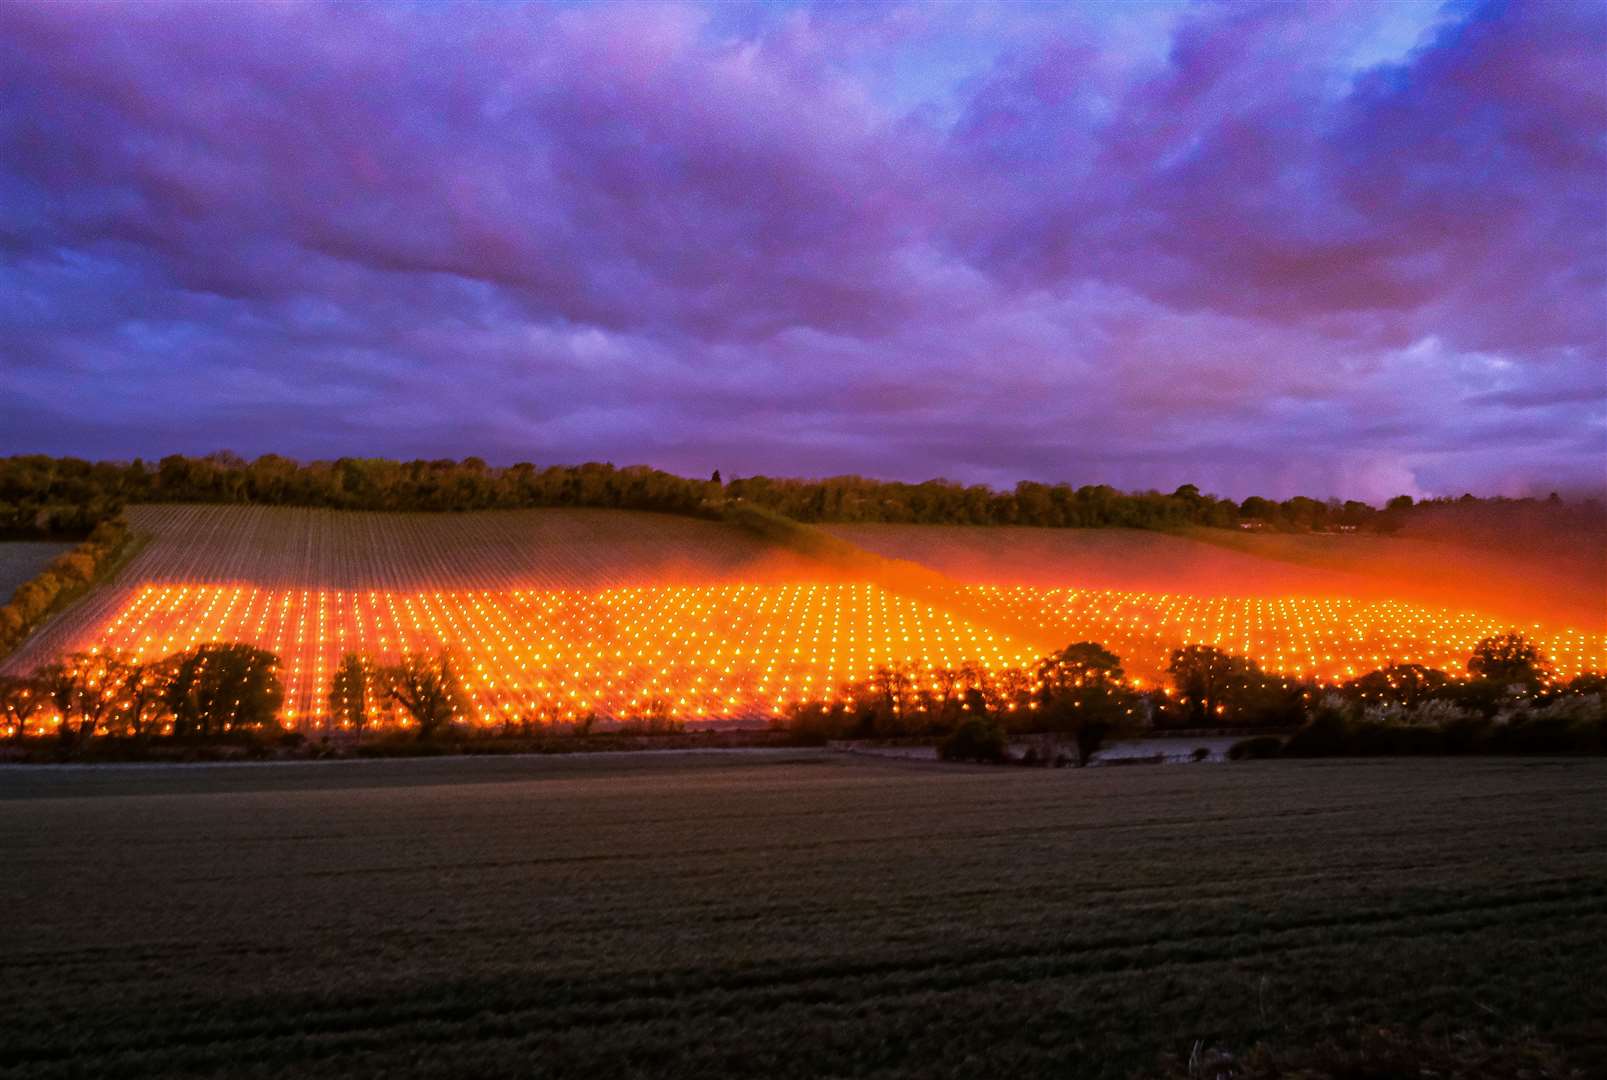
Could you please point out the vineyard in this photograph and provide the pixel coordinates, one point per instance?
(1328, 639)
(1523, 577)
(554, 615)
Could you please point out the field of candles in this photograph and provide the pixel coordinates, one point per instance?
(1326, 639)
(689, 652)
(1556, 578)
(554, 615)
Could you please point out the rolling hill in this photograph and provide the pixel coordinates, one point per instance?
(1523, 577)
(561, 613)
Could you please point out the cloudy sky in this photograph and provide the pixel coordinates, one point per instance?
(1344, 250)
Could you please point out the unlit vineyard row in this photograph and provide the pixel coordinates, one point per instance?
(282, 547)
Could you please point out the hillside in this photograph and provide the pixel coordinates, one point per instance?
(1531, 578)
(294, 550)
(556, 613)
(560, 613)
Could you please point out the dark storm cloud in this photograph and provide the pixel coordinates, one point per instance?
(1348, 250)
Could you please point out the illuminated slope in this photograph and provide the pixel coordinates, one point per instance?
(1556, 582)
(554, 614)
(289, 548)
(1329, 639)
(545, 655)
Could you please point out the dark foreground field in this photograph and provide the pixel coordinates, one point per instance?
(787, 915)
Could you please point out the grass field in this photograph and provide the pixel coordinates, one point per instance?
(785, 914)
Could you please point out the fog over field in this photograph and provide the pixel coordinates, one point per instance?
(1535, 575)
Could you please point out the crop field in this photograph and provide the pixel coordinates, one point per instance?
(558, 614)
(787, 914)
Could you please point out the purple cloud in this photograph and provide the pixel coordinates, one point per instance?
(1262, 248)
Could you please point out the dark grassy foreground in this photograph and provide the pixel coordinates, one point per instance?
(789, 914)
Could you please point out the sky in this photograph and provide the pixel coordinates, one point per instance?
(1349, 250)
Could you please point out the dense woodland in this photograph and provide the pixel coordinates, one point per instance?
(66, 497)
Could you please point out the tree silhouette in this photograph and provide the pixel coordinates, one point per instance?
(218, 688)
(1508, 658)
(427, 689)
(349, 693)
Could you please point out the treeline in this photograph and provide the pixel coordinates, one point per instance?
(1081, 693)
(1508, 703)
(219, 691)
(213, 691)
(1061, 693)
(232, 692)
(1067, 705)
(67, 576)
(940, 502)
(46, 496)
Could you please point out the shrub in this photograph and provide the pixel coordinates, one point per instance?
(1465, 732)
(1145, 759)
(975, 740)
(1325, 734)
(218, 687)
(1482, 696)
(1437, 713)
(1567, 725)
(1261, 746)
(11, 622)
(76, 566)
(66, 575)
(1370, 739)
(1508, 659)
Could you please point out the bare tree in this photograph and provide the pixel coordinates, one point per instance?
(349, 693)
(427, 689)
(20, 701)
